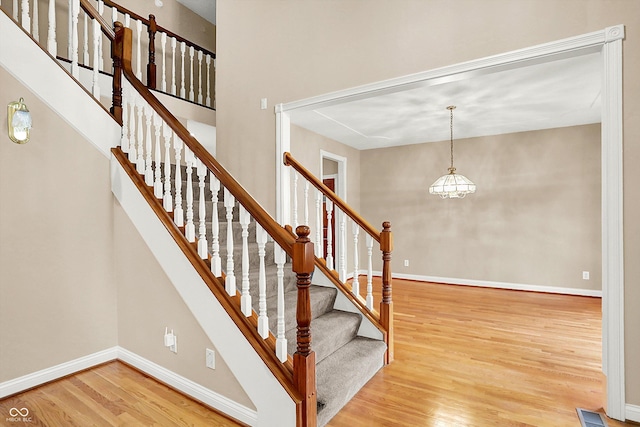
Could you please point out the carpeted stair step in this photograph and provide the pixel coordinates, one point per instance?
(342, 374)
(322, 301)
(329, 332)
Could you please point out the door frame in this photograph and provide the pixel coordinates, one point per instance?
(609, 43)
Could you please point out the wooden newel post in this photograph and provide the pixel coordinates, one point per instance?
(117, 48)
(304, 359)
(386, 305)
(151, 66)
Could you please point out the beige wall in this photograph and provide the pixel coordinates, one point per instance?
(289, 50)
(57, 298)
(148, 302)
(535, 218)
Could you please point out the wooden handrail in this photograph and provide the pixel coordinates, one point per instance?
(289, 160)
(279, 234)
(91, 11)
(158, 27)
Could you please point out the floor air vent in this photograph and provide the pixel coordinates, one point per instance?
(590, 418)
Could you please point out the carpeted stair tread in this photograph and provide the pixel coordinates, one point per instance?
(329, 332)
(342, 374)
(322, 300)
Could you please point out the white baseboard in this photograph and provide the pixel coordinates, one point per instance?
(497, 285)
(632, 413)
(184, 385)
(43, 376)
(190, 388)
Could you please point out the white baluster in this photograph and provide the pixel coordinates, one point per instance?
(114, 15)
(355, 284)
(70, 28)
(306, 202)
(173, 66)
(263, 320)
(148, 171)
(245, 299)
(35, 24)
(230, 281)
(191, 95)
(178, 214)
(24, 16)
(15, 11)
(295, 200)
(216, 262)
(200, 77)
(75, 71)
(138, 48)
(167, 201)
(96, 59)
(52, 45)
(85, 41)
(369, 300)
(157, 182)
(163, 43)
(183, 48)
(190, 228)
(343, 245)
(140, 135)
(208, 100)
(319, 244)
(203, 246)
(329, 209)
(124, 137)
(100, 58)
(127, 20)
(281, 341)
(133, 153)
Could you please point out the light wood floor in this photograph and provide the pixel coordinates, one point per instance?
(110, 395)
(468, 357)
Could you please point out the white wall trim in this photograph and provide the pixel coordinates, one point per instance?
(46, 375)
(609, 42)
(613, 307)
(633, 413)
(190, 388)
(496, 285)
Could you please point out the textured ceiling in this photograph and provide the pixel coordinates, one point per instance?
(564, 92)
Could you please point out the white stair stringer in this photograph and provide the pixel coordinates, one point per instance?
(274, 406)
(29, 64)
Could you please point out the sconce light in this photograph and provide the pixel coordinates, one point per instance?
(18, 122)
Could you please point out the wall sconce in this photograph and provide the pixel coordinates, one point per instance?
(18, 122)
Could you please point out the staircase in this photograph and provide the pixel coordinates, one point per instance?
(314, 332)
(345, 361)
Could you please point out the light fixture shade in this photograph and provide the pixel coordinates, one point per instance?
(452, 186)
(19, 122)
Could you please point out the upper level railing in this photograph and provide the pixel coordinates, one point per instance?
(186, 70)
(332, 216)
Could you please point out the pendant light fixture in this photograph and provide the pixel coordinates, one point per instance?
(452, 185)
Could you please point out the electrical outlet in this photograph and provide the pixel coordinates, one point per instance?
(174, 347)
(263, 103)
(406, 263)
(210, 357)
(585, 275)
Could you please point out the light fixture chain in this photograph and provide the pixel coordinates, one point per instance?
(451, 133)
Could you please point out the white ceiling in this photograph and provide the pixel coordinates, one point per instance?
(204, 8)
(564, 92)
